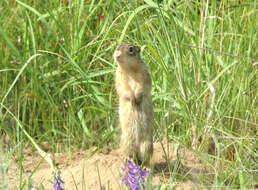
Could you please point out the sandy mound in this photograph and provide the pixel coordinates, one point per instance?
(103, 169)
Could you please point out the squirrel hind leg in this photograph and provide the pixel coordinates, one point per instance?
(145, 154)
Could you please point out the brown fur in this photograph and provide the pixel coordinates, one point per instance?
(133, 85)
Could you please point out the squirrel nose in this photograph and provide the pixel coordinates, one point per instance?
(117, 54)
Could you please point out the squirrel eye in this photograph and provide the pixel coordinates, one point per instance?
(131, 49)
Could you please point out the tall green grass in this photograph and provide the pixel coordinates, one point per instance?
(57, 72)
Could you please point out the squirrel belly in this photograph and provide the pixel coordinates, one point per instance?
(136, 122)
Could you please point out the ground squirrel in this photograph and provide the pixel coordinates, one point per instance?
(133, 86)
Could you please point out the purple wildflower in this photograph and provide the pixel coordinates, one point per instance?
(134, 176)
(58, 183)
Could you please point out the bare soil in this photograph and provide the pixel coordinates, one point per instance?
(81, 170)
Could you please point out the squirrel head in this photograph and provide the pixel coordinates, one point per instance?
(127, 55)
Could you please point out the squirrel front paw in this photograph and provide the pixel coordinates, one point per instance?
(138, 96)
(130, 97)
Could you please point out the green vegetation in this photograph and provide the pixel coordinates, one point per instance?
(57, 73)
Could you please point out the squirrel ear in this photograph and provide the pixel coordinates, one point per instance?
(138, 49)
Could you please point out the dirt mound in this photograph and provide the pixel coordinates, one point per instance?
(103, 169)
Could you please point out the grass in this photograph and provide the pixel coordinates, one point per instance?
(57, 73)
